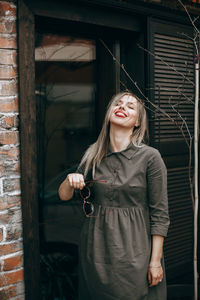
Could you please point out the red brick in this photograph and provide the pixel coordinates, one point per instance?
(12, 291)
(8, 137)
(4, 218)
(3, 204)
(7, 72)
(14, 232)
(8, 42)
(8, 292)
(12, 263)
(11, 217)
(9, 202)
(7, 26)
(8, 57)
(10, 248)
(1, 234)
(8, 88)
(6, 10)
(13, 199)
(14, 57)
(11, 277)
(9, 105)
(8, 122)
(7, 168)
(11, 184)
(9, 153)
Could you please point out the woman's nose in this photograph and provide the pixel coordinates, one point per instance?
(122, 105)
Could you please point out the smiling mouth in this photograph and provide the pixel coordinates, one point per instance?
(120, 114)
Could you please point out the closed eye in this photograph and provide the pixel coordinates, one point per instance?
(118, 103)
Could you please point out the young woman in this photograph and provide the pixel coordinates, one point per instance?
(121, 244)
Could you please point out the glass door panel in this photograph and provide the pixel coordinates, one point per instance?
(65, 99)
(65, 95)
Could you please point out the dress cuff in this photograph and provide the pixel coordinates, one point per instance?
(159, 230)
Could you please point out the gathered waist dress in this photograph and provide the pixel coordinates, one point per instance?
(130, 201)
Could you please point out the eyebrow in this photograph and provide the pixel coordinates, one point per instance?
(133, 103)
(130, 102)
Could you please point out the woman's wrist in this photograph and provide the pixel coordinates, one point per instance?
(155, 263)
(154, 266)
(65, 191)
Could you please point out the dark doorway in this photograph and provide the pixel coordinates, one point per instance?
(76, 76)
(66, 108)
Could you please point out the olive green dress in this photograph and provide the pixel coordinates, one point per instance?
(115, 245)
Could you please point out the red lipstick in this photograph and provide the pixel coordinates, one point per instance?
(120, 114)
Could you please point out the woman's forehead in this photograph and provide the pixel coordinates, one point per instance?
(128, 98)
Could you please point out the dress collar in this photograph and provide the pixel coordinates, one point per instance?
(128, 152)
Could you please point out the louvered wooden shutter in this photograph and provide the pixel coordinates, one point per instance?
(171, 87)
(173, 92)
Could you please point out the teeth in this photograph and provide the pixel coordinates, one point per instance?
(120, 114)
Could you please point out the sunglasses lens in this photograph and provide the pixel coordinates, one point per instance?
(85, 192)
(88, 208)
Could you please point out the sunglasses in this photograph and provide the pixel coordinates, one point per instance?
(85, 193)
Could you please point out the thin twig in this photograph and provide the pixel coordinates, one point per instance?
(157, 108)
(167, 64)
(192, 21)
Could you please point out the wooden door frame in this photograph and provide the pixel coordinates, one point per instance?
(28, 149)
(120, 15)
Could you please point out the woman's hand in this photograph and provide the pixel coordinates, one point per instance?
(71, 182)
(155, 274)
(155, 270)
(75, 180)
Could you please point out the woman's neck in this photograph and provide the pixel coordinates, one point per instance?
(119, 138)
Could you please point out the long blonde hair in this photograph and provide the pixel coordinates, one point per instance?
(99, 149)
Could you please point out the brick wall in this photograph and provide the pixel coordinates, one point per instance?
(11, 251)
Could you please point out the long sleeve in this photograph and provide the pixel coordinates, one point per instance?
(157, 195)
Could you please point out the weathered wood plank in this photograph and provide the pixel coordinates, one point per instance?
(28, 144)
(86, 12)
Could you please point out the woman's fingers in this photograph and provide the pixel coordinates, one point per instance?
(149, 277)
(76, 180)
(155, 276)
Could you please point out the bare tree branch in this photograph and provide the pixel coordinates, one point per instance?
(167, 64)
